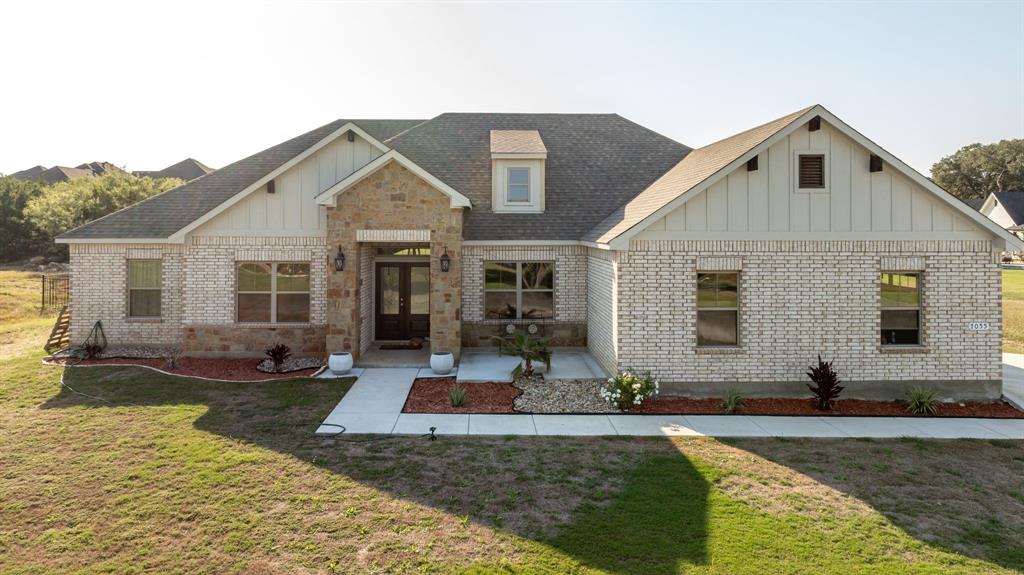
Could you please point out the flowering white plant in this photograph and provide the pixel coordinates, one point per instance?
(629, 389)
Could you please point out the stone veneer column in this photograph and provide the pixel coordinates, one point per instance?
(393, 198)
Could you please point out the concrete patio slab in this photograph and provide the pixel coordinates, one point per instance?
(652, 425)
(782, 426)
(873, 426)
(420, 423)
(328, 374)
(573, 425)
(954, 428)
(725, 426)
(477, 366)
(1013, 378)
(501, 424)
(570, 365)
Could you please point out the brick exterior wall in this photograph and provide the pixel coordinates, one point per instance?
(602, 308)
(801, 298)
(393, 198)
(99, 292)
(568, 328)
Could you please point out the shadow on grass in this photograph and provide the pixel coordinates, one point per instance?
(963, 496)
(654, 518)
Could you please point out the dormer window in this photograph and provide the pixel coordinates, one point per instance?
(518, 186)
(517, 174)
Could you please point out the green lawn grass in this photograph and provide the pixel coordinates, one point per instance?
(1013, 311)
(134, 471)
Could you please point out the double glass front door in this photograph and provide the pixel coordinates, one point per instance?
(403, 300)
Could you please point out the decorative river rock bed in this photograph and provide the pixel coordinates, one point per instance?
(537, 395)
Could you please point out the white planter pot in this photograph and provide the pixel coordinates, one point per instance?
(340, 362)
(442, 362)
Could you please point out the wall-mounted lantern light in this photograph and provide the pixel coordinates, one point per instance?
(446, 260)
(339, 261)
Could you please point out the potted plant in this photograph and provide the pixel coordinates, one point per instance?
(442, 362)
(340, 362)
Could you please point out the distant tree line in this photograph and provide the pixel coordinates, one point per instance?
(977, 170)
(33, 213)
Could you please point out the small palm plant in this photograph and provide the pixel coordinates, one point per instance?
(826, 386)
(732, 401)
(922, 401)
(530, 349)
(278, 354)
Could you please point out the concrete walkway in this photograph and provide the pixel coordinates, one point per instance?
(374, 405)
(1013, 378)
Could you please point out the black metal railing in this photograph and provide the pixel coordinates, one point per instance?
(56, 291)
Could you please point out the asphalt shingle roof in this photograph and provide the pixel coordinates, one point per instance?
(595, 163)
(517, 142)
(1013, 203)
(164, 214)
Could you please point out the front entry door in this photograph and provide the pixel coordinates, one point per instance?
(403, 300)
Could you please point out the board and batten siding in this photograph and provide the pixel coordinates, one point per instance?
(856, 204)
(292, 209)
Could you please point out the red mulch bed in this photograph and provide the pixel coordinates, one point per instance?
(430, 395)
(211, 368)
(785, 406)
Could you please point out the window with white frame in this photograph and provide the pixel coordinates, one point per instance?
(144, 290)
(718, 309)
(519, 290)
(517, 188)
(272, 292)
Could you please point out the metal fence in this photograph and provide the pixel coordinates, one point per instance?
(55, 291)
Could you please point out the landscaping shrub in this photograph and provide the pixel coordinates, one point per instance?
(457, 395)
(529, 349)
(278, 354)
(732, 401)
(826, 386)
(923, 401)
(629, 389)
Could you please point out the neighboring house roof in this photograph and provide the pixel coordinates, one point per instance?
(688, 174)
(100, 168)
(975, 203)
(32, 173)
(1013, 203)
(187, 169)
(594, 163)
(164, 214)
(58, 174)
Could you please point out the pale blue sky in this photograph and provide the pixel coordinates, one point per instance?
(146, 84)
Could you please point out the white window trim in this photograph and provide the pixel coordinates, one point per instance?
(273, 293)
(795, 170)
(519, 290)
(499, 186)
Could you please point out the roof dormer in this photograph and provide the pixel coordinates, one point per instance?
(517, 171)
